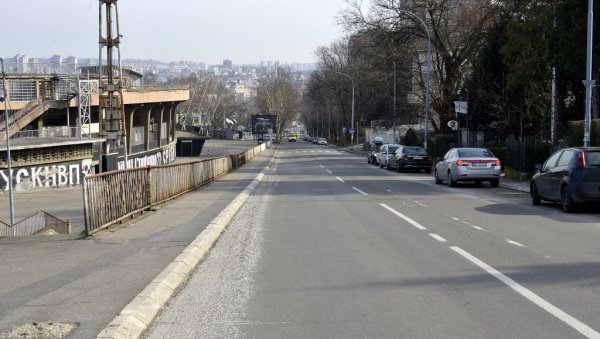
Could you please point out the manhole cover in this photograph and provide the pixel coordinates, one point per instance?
(41, 330)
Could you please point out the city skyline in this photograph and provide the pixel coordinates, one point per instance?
(208, 32)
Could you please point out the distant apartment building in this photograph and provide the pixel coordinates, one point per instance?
(228, 64)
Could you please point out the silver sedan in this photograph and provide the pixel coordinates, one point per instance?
(468, 164)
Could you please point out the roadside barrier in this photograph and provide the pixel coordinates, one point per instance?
(39, 222)
(113, 196)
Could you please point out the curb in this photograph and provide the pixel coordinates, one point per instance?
(138, 315)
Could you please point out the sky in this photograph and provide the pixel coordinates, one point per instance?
(244, 31)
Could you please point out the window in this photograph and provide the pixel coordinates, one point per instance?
(566, 158)
(22, 90)
(551, 162)
(414, 150)
(475, 153)
(593, 159)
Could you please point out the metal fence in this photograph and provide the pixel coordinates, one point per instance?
(41, 221)
(113, 196)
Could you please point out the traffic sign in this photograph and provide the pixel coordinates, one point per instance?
(352, 130)
(453, 124)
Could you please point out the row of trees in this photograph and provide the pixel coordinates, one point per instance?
(501, 55)
(212, 101)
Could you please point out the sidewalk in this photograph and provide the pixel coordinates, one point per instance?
(89, 280)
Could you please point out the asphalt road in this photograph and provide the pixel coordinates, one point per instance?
(331, 247)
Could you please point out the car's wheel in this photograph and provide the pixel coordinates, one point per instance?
(437, 178)
(451, 181)
(495, 182)
(380, 164)
(566, 201)
(535, 196)
(398, 167)
(387, 166)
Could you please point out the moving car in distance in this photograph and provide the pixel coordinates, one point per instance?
(410, 158)
(385, 153)
(292, 137)
(468, 164)
(570, 176)
(322, 141)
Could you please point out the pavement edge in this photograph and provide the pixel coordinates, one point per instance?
(137, 316)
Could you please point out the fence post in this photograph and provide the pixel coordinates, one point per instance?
(149, 186)
(85, 207)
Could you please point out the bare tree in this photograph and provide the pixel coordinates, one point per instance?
(276, 95)
(457, 29)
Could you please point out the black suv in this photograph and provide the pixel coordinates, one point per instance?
(570, 176)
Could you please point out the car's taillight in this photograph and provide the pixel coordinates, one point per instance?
(428, 158)
(497, 163)
(462, 163)
(405, 157)
(581, 159)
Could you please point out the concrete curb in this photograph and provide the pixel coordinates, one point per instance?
(138, 315)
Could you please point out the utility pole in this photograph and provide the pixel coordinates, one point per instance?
(111, 105)
(4, 98)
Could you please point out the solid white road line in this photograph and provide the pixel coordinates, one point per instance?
(359, 191)
(437, 237)
(529, 295)
(407, 219)
(340, 179)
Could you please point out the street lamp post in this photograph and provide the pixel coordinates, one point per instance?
(351, 122)
(427, 98)
(588, 82)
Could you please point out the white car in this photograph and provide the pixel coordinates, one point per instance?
(468, 164)
(385, 153)
(322, 141)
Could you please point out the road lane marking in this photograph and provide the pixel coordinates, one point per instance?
(359, 191)
(455, 219)
(340, 179)
(529, 295)
(477, 228)
(407, 219)
(512, 242)
(328, 171)
(437, 237)
(389, 191)
(321, 166)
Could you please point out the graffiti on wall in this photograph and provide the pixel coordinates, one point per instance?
(46, 176)
(161, 157)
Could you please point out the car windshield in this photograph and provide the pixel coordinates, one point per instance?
(415, 150)
(475, 153)
(392, 149)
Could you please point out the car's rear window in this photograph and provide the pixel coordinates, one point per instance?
(475, 153)
(593, 158)
(392, 149)
(414, 150)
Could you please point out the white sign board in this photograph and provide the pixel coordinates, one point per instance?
(461, 107)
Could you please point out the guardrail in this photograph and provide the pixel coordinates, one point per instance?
(113, 196)
(41, 221)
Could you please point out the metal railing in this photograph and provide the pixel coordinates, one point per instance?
(41, 221)
(113, 196)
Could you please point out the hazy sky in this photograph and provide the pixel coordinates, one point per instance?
(245, 31)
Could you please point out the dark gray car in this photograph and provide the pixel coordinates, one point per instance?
(570, 176)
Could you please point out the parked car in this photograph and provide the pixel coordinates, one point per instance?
(385, 153)
(468, 164)
(372, 154)
(410, 158)
(315, 140)
(570, 176)
(322, 141)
